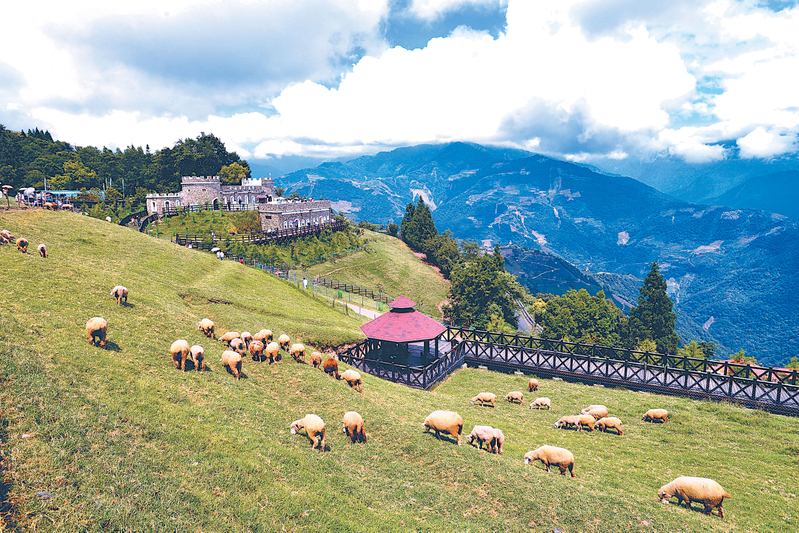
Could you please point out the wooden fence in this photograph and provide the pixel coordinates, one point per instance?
(204, 241)
(354, 289)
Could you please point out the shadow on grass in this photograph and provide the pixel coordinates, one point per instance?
(7, 509)
(112, 346)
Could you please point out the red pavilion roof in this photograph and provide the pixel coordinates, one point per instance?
(403, 324)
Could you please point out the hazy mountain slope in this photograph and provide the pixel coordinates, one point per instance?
(776, 193)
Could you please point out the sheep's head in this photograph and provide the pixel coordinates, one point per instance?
(529, 456)
(663, 494)
(469, 438)
(296, 426)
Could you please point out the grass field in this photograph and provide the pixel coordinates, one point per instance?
(391, 265)
(118, 440)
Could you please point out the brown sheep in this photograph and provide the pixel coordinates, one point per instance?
(265, 336)
(314, 427)
(297, 351)
(232, 361)
(481, 434)
(568, 422)
(353, 379)
(485, 398)
(120, 293)
(538, 403)
(179, 352)
(257, 350)
(532, 385)
(229, 336)
(498, 442)
(198, 356)
(284, 342)
(206, 325)
(587, 422)
(604, 424)
(330, 366)
(695, 489)
(597, 411)
(354, 427)
(656, 415)
(552, 455)
(514, 397)
(6, 236)
(316, 359)
(273, 352)
(96, 330)
(22, 245)
(445, 422)
(42, 250)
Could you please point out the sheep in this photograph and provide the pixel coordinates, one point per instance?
(257, 351)
(67, 207)
(120, 293)
(481, 434)
(538, 403)
(50, 206)
(597, 411)
(198, 356)
(273, 352)
(514, 396)
(316, 359)
(265, 336)
(353, 379)
(586, 421)
(444, 422)
(568, 422)
(484, 398)
(6, 236)
(498, 442)
(179, 352)
(22, 245)
(695, 489)
(284, 342)
(246, 338)
(96, 330)
(297, 351)
(330, 366)
(42, 250)
(655, 415)
(353, 427)
(229, 336)
(206, 325)
(232, 361)
(237, 345)
(552, 455)
(532, 385)
(314, 428)
(603, 424)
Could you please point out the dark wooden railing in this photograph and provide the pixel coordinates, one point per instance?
(354, 289)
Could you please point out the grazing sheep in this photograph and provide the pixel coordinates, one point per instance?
(265, 336)
(498, 442)
(566, 422)
(354, 427)
(514, 396)
(445, 422)
(695, 489)
(229, 336)
(232, 361)
(67, 207)
(246, 338)
(198, 356)
(353, 379)
(179, 352)
(538, 403)
(42, 250)
(484, 398)
(586, 421)
(120, 293)
(481, 434)
(297, 351)
(50, 206)
(552, 455)
(532, 385)
(206, 325)
(316, 359)
(656, 415)
(6, 236)
(284, 342)
(257, 350)
(273, 352)
(314, 428)
(330, 366)
(96, 329)
(22, 245)
(603, 424)
(237, 345)
(597, 411)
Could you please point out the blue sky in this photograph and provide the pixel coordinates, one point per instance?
(579, 79)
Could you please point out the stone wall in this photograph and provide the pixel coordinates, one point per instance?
(200, 189)
(157, 202)
(291, 215)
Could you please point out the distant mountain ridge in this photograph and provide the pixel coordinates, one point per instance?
(776, 193)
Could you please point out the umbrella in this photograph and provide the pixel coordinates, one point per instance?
(215, 249)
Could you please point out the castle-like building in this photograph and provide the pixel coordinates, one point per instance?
(256, 194)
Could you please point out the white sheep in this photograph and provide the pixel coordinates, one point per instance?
(695, 489)
(246, 338)
(445, 422)
(273, 352)
(198, 357)
(229, 336)
(316, 359)
(297, 351)
(485, 398)
(96, 330)
(257, 350)
(265, 336)
(232, 361)
(552, 455)
(314, 427)
(237, 345)
(586, 421)
(206, 325)
(608, 422)
(532, 385)
(656, 415)
(353, 379)
(515, 396)
(120, 293)
(543, 401)
(498, 442)
(568, 421)
(354, 427)
(42, 250)
(179, 352)
(481, 434)
(597, 411)
(284, 341)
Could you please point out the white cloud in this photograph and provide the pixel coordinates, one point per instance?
(764, 143)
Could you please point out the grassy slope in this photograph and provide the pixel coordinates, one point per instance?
(123, 441)
(393, 265)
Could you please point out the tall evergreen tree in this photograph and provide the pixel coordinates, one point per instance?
(653, 317)
(407, 229)
(425, 227)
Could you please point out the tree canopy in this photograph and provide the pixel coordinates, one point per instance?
(579, 317)
(653, 317)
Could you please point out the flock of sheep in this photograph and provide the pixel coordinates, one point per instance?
(22, 243)
(686, 489)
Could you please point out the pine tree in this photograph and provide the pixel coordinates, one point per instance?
(407, 227)
(426, 228)
(653, 317)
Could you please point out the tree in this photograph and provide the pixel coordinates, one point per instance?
(579, 317)
(693, 349)
(793, 363)
(708, 349)
(478, 291)
(740, 357)
(653, 317)
(233, 173)
(393, 229)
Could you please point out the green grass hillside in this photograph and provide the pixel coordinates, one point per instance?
(118, 440)
(389, 264)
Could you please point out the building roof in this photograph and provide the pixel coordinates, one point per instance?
(403, 324)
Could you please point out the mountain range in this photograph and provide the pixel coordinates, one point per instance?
(732, 272)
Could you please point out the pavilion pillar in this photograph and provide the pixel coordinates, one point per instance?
(425, 352)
